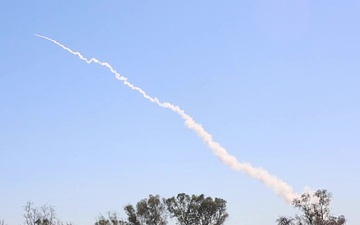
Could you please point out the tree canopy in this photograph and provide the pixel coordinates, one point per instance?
(149, 211)
(315, 209)
(44, 215)
(186, 209)
(197, 210)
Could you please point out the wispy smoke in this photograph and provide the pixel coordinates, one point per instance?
(278, 186)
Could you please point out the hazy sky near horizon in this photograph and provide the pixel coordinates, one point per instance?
(275, 82)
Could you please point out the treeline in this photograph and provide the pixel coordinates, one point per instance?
(192, 210)
(154, 210)
(185, 209)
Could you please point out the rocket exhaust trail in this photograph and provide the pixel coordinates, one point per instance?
(278, 186)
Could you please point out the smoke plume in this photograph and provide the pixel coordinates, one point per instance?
(278, 186)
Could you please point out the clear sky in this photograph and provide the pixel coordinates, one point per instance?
(275, 82)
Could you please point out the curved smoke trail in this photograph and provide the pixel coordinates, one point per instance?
(278, 186)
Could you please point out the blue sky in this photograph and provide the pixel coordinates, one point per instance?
(275, 83)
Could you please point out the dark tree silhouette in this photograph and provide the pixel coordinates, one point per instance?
(315, 209)
(151, 211)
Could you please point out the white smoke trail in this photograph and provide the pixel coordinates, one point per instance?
(278, 186)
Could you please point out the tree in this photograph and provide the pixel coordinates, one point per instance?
(151, 211)
(45, 215)
(112, 219)
(2, 222)
(197, 210)
(315, 210)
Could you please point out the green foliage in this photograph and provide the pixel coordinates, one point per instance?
(197, 210)
(112, 219)
(188, 210)
(149, 211)
(315, 210)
